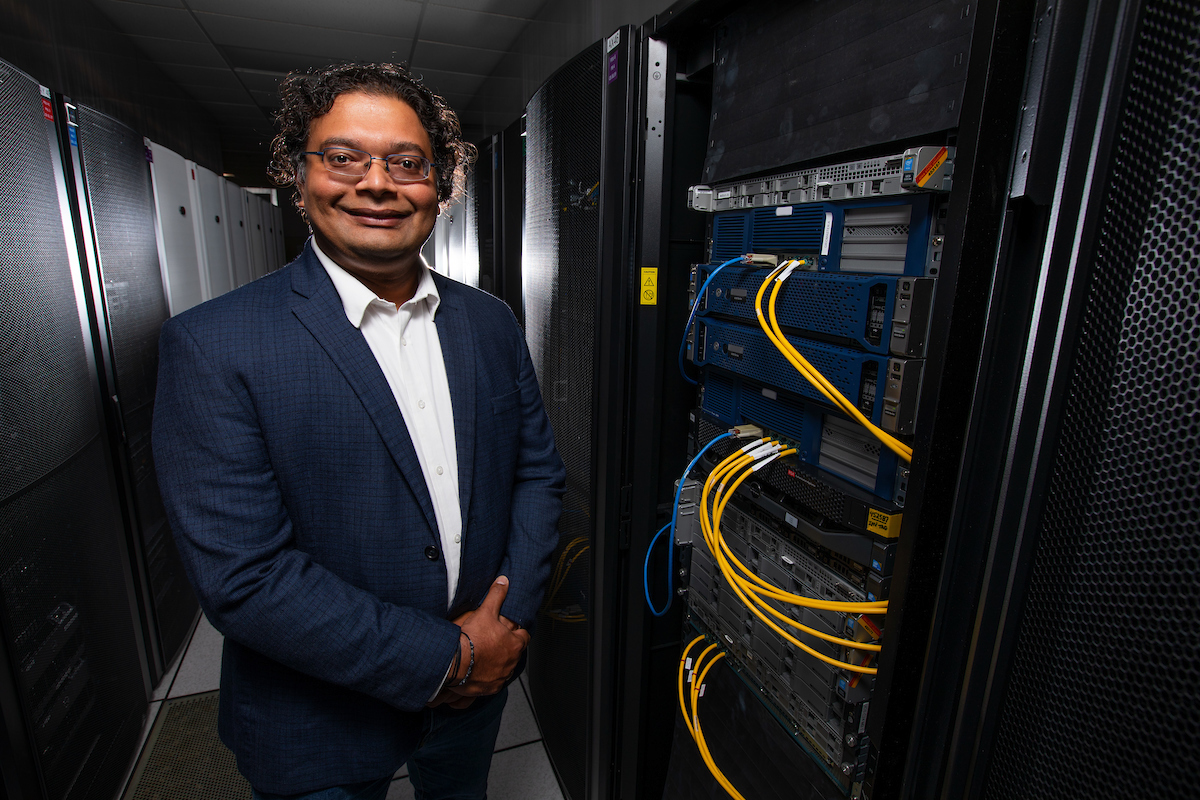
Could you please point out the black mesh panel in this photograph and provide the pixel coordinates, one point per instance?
(69, 626)
(122, 208)
(561, 265)
(47, 410)
(1102, 695)
(64, 600)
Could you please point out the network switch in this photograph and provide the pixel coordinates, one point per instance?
(918, 169)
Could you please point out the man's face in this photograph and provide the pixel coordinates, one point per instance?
(370, 224)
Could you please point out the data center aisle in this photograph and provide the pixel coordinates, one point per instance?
(520, 768)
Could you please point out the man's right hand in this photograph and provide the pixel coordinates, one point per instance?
(497, 646)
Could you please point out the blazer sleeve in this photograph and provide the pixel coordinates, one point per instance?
(538, 485)
(234, 535)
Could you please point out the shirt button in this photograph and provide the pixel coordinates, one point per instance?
(457, 538)
(403, 341)
(431, 553)
(420, 404)
(439, 470)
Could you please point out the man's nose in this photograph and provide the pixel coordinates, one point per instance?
(377, 178)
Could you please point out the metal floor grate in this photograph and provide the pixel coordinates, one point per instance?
(184, 758)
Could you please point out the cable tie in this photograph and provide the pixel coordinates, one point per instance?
(748, 447)
(764, 462)
(764, 449)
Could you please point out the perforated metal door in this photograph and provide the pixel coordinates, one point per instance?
(65, 611)
(1102, 698)
(560, 265)
(121, 203)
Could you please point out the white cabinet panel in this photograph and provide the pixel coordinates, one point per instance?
(177, 248)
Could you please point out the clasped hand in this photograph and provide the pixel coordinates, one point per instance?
(498, 645)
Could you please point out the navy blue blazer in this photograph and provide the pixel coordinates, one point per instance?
(304, 521)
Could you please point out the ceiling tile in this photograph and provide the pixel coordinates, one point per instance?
(462, 27)
(258, 80)
(233, 32)
(162, 3)
(247, 58)
(449, 82)
(151, 20)
(453, 58)
(368, 16)
(526, 9)
(211, 77)
(173, 51)
(208, 94)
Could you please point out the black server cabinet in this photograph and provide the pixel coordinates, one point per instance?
(1078, 663)
(578, 278)
(812, 86)
(507, 153)
(114, 204)
(74, 686)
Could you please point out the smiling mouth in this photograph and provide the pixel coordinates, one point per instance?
(375, 215)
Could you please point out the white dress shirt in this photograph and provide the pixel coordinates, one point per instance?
(406, 345)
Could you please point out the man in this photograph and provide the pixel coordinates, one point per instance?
(358, 468)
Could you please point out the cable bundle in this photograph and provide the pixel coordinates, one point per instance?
(770, 326)
(691, 715)
(752, 590)
(561, 570)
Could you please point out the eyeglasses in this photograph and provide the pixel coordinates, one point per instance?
(402, 167)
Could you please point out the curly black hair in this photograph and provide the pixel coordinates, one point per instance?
(308, 95)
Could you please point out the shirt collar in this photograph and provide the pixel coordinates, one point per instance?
(357, 298)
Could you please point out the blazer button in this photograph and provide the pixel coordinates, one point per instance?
(431, 553)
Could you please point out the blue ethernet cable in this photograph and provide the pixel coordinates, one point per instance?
(671, 541)
(692, 316)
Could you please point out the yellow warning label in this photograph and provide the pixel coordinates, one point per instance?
(932, 167)
(884, 524)
(649, 287)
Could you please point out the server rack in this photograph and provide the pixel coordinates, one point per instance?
(1085, 435)
(482, 223)
(578, 283)
(239, 252)
(178, 248)
(211, 224)
(113, 202)
(771, 69)
(508, 215)
(256, 242)
(73, 682)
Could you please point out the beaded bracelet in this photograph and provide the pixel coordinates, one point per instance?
(471, 665)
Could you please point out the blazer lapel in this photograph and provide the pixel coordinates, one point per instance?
(316, 303)
(458, 353)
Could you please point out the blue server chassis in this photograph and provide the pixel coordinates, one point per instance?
(802, 231)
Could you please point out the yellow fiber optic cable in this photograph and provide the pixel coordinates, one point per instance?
(691, 716)
(750, 589)
(735, 583)
(719, 550)
(729, 464)
(687, 718)
(775, 333)
(701, 743)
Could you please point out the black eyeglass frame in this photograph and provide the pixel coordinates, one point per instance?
(386, 166)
